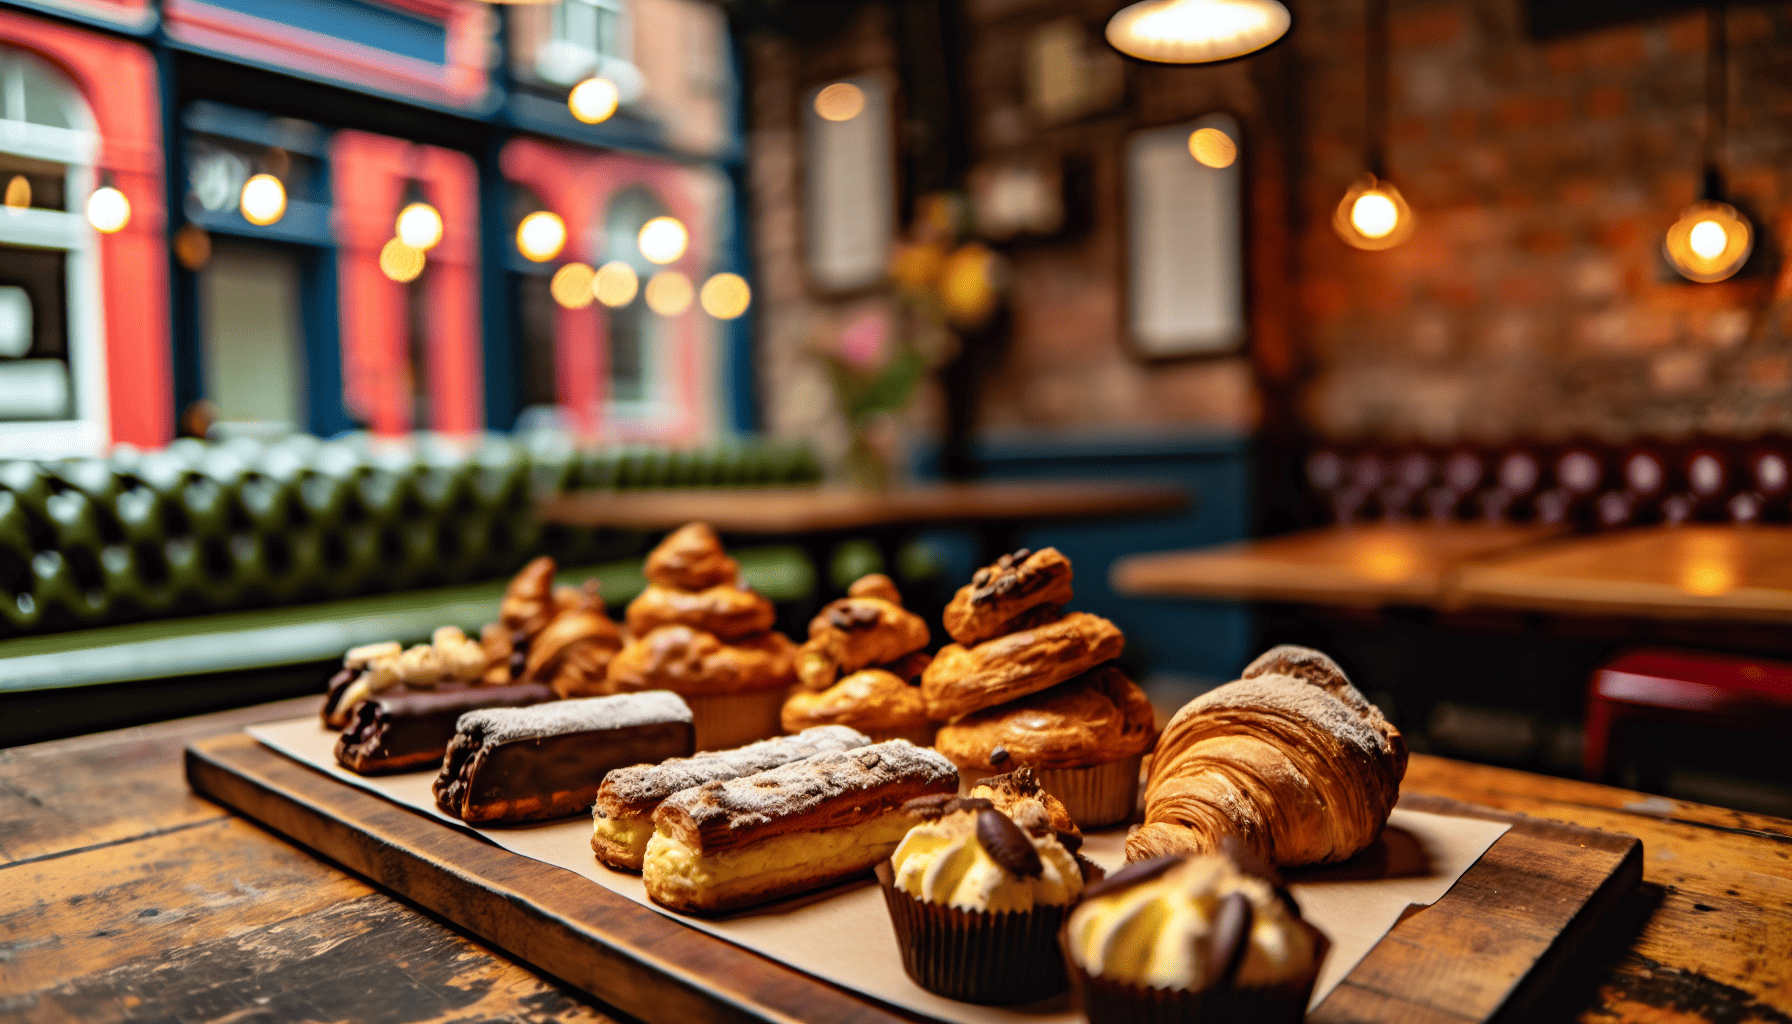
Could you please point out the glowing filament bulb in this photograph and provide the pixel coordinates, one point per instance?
(725, 296)
(669, 293)
(400, 262)
(571, 286)
(594, 100)
(1708, 238)
(419, 226)
(1212, 148)
(264, 200)
(18, 193)
(841, 101)
(108, 210)
(615, 284)
(663, 240)
(541, 236)
(1374, 215)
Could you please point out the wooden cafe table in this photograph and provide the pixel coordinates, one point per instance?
(1737, 573)
(1364, 566)
(819, 517)
(125, 897)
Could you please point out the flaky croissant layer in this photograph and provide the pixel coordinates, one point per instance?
(1290, 758)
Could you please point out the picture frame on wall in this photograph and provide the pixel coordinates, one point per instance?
(1184, 246)
(849, 183)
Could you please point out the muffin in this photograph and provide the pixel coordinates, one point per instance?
(699, 632)
(1084, 739)
(1193, 939)
(977, 903)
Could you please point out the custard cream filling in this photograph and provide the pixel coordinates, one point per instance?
(631, 834)
(1151, 934)
(945, 863)
(788, 858)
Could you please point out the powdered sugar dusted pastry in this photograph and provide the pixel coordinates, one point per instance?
(867, 627)
(1003, 592)
(622, 818)
(1291, 759)
(807, 824)
(547, 761)
(965, 679)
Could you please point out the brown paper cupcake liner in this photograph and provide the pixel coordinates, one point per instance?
(1097, 795)
(728, 720)
(975, 956)
(1105, 1001)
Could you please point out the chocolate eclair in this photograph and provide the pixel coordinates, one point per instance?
(397, 732)
(548, 760)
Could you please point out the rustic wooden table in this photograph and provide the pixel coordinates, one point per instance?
(123, 897)
(1393, 564)
(1684, 572)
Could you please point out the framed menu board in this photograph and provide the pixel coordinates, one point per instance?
(1184, 239)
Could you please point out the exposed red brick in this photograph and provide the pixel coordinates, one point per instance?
(1430, 26)
(1605, 102)
(1618, 48)
(1686, 33)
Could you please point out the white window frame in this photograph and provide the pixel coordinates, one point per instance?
(89, 432)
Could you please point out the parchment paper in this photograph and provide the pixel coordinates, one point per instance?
(843, 934)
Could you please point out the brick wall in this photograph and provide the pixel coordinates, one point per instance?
(1533, 300)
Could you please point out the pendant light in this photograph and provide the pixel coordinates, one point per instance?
(1373, 215)
(1196, 31)
(1711, 241)
(594, 100)
(107, 208)
(419, 225)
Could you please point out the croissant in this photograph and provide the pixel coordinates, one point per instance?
(1291, 759)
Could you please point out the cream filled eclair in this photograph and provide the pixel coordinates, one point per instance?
(622, 818)
(734, 843)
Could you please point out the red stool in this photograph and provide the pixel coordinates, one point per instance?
(1691, 687)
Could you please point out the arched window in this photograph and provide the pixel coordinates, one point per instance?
(637, 335)
(52, 356)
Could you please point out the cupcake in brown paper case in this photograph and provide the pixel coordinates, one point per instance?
(1084, 739)
(1193, 940)
(977, 903)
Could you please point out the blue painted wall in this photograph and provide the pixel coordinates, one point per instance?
(1205, 639)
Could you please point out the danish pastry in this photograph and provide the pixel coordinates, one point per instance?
(965, 679)
(867, 627)
(690, 558)
(725, 610)
(873, 700)
(999, 594)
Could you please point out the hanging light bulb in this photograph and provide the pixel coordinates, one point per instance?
(18, 193)
(264, 200)
(108, 210)
(615, 284)
(1710, 242)
(419, 226)
(1212, 148)
(725, 296)
(571, 286)
(1196, 31)
(663, 240)
(192, 247)
(594, 100)
(1373, 215)
(541, 236)
(841, 101)
(401, 262)
(669, 293)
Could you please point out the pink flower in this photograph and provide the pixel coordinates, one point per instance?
(862, 342)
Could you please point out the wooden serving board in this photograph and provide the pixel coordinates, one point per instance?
(1489, 950)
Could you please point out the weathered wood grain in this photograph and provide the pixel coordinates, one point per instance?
(110, 786)
(625, 954)
(1718, 944)
(219, 921)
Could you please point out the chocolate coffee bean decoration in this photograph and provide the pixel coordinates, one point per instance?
(1227, 941)
(1133, 874)
(1007, 845)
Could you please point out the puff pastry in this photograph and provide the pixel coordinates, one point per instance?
(867, 627)
(725, 610)
(965, 679)
(691, 661)
(690, 558)
(807, 824)
(875, 700)
(1100, 716)
(572, 652)
(1036, 582)
(1291, 759)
